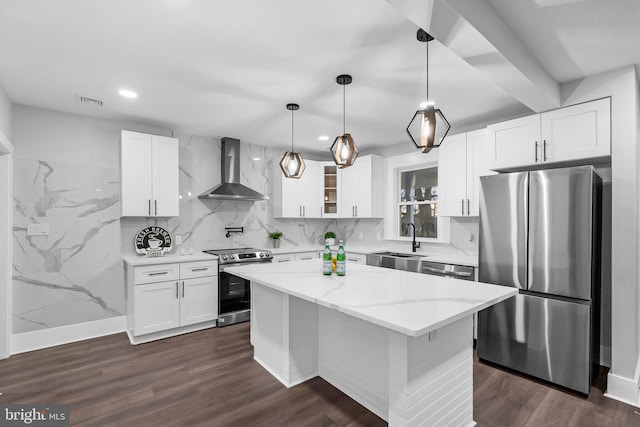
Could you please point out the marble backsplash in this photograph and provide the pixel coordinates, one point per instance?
(76, 275)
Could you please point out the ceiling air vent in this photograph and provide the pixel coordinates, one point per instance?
(91, 101)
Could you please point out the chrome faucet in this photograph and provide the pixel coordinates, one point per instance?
(414, 244)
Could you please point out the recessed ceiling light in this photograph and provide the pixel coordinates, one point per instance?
(128, 93)
(323, 138)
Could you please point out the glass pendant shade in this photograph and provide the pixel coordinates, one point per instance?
(292, 164)
(344, 151)
(428, 128)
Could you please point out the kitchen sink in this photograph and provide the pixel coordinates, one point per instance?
(395, 260)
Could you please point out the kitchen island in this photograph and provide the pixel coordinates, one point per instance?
(399, 343)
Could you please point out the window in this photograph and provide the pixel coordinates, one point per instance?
(417, 199)
(411, 189)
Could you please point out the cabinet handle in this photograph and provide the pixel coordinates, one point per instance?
(200, 269)
(536, 151)
(300, 210)
(356, 210)
(155, 202)
(462, 206)
(160, 273)
(149, 207)
(468, 210)
(320, 211)
(544, 150)
(183, 289)
(304, 211)
(177, 295)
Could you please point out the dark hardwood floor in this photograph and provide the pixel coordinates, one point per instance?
(209, 378)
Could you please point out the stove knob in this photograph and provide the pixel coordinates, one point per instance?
(261, 254)
(268, 255)
(224, 257)
(232, 256)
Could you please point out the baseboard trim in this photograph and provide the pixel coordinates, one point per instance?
(623, 389)
(287, 384)
(44, 338)
(141, 339)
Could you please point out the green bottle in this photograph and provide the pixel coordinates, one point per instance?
(326, 259)
(341, 264)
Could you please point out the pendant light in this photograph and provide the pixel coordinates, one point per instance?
(344, 150)
(433, 126)
(291, 163)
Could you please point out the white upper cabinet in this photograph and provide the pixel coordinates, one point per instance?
(360, 188)
(463, 160)
(148, 175)
(452, 176)
(298, 197)
(515, 142)
(570, 134)
(578, 132)
(324, 191)
(310, 190)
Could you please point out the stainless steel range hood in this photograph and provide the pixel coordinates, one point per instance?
(230, 188)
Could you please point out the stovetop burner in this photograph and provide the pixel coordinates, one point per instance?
(240, 255)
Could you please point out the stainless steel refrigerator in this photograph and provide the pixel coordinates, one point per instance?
(540, 232)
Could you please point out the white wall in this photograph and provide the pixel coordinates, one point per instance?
(5, 114)
(6, 162)
(622, 86)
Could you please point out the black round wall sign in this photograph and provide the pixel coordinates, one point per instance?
(153, 241)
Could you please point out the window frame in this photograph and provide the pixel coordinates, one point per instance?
(394, 166)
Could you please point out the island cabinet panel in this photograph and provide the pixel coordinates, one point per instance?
(284, 333)
(405, 380)
(437, 387)
(354, 355)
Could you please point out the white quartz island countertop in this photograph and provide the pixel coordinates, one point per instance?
(409, 303)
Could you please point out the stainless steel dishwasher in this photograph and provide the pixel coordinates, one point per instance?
(454, 271)
(462, 272)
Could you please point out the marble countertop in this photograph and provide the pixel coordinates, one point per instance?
(133, 260)
(410, 303)
(444, 257)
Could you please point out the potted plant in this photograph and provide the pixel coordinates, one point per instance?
(275, 236)
(331, 237)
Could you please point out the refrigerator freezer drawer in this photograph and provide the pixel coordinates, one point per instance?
(546, 338)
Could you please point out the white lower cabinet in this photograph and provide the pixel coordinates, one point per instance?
(158, 308)
(356, 258)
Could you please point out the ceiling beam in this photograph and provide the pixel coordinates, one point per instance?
(476, 33)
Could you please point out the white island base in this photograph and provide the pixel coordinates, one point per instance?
(407, 381)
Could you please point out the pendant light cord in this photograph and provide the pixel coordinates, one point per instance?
(292, 131)
(427, 71)
(344, 114)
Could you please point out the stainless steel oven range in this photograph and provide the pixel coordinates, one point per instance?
(234, 293)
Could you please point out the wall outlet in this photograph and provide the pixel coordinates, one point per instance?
(361, 235)
(37, 229)
(178, 239)
(378, 236)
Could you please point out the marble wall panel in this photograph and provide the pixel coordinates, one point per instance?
(74, 274)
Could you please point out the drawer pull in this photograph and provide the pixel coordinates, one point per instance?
(200, 269)
(160, 273)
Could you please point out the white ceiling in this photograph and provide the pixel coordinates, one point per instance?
(229, 68)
